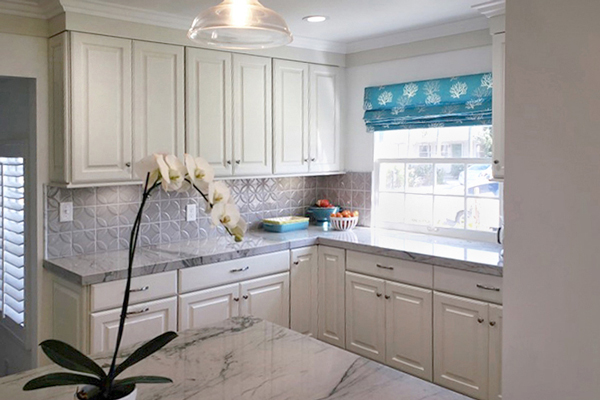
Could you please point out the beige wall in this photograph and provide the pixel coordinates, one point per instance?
(552, 201)
(26, 56)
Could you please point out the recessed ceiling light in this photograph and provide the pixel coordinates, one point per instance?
(315, 18)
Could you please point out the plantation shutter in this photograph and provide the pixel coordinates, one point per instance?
(12, 241)
(458, 101)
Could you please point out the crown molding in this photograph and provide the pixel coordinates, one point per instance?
(417, 35)
(491, 8)
(318, 45)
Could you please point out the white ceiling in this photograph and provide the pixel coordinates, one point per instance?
(350, 20)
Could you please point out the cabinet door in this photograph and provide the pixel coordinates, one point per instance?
(252, 132)
(290, 118)
(408, 327)
(460, 360)
(208, 102)
(499, 51)
(267, 298)
(101, 108)
(208, 307)
(365, 316)
(303, 296)
(158, 99)
(332, 310)
(144, 321)
(495, 355)
(325, 140)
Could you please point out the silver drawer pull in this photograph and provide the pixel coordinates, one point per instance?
(239, 269)
(385, 267)
(142, 289)
(145, 310)
(484, 287)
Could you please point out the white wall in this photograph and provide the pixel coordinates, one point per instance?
(358, 143)
(26, 56)
(552, 201)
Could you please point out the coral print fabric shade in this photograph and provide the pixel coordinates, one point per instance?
(458, 101)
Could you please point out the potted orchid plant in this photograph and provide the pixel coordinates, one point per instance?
(168, 172)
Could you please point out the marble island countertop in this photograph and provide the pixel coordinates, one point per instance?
(452, 253)
(246, 358)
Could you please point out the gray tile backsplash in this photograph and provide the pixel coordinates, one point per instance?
(103, 216)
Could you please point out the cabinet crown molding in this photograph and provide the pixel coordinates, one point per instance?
(492, 8)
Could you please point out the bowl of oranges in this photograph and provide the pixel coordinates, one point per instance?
(344, 221)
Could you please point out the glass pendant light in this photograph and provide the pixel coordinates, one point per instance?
(240, 24)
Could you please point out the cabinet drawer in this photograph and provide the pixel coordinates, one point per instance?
(469, 284)
(144, 321)
(211, 275)
(143, 288)
(390, 268)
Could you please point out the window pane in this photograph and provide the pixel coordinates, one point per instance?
(391, 144)
(391, 207)
(391, 177)
(476, 174)
(447, 179)
(449, 212)
(420, 178)
(419, 210)
(422, 143)
(454, 142)
(483, 214)
(484, 189)
(481, 142)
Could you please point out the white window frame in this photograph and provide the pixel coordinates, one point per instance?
(466, 234)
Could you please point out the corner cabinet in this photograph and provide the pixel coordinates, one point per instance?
(306, 118)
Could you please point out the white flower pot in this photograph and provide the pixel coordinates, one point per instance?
(130, 396)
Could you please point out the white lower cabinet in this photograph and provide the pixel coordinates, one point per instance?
(463, 336)
(331, 297)
(266, 298)
(390, 323)
(303, 291)
(365, 316)
(408, 329)
(207, 307)
(144, 322)
(495, 353)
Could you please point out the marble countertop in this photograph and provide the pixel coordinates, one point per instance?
(246, 358)
(452, 253)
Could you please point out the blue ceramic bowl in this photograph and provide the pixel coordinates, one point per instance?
(321, 214)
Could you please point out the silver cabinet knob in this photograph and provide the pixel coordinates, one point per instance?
(387, 297)
(296, 262)
(492, 323)
(313, 159)
(306, 160)
(236, 299)
(145, 310)
(238, 162)
(228, 162)
(496, 162)
(128, 164)
(379, 295)
(245, 297)
(480, 320)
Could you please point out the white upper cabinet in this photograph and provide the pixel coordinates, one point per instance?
(290, 117)
(499, 56)
(325, 141)
(303, 296)
(252, 121)
(158, 99)
(101, 136)
(209, 108)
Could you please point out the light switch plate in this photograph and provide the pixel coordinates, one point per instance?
(191, 212)
(66, 212)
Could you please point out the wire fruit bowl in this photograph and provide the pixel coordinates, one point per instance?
(343, 224)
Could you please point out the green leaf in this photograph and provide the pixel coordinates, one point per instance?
(146, 350)
(70, 358)
(60, 379)
(142, 379)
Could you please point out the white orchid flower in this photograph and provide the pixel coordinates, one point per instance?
(200, 172)
(239, 230)
(218, 192)
(172, 172)
(148, 165)
(226, 214)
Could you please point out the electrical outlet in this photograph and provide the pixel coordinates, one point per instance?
(191, 212)
(66, 212)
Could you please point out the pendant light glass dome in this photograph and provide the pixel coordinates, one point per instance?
(240, 24)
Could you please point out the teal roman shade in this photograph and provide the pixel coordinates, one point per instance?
(458, 101)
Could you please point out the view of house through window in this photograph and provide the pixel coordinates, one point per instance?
(437, 179)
